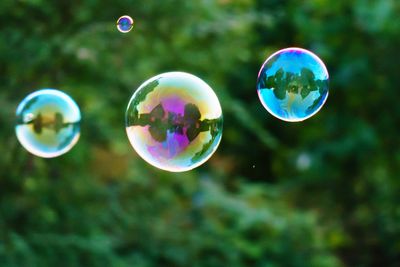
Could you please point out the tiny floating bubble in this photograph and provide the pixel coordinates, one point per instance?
(48, 123)
(125, 24)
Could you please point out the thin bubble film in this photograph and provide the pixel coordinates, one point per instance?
(125, 24)
(174, 121)
(48, 123)
(293, 84)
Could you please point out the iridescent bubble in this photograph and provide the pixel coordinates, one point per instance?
(125, 24)
(174, 121)
(48, 123)
(293, 84)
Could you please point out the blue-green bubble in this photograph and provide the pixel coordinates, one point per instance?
(293, 84)
(48, 123)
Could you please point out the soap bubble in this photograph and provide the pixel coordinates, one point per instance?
(125, 24)
(174, 121)
(293, 84)
(48, 123)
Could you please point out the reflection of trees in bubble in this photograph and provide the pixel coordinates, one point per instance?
(140, 97)
(323, 89)
(161, 122)
(29, 104)
(41, 122)
(69, 137)
(215, 131)
(53, 123)
(288, 82)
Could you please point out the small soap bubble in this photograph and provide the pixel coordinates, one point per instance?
(174, 121)
(125, 24)
(293, 84)
(48, 123)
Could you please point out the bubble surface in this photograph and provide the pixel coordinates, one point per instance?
(174, 121)
(48, 123)
(293, 84)
(125, 24)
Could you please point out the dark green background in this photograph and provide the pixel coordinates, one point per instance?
(323, 193)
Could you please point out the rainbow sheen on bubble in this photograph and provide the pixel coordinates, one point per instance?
(293, 84)
(48, 123)
(125, 24)
(174, 121)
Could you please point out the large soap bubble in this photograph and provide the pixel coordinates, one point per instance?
(48, 123)
(293, 84)
(174, 121)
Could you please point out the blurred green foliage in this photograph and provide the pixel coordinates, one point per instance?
(324, 192)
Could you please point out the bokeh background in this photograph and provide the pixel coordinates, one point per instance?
(323, 193)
